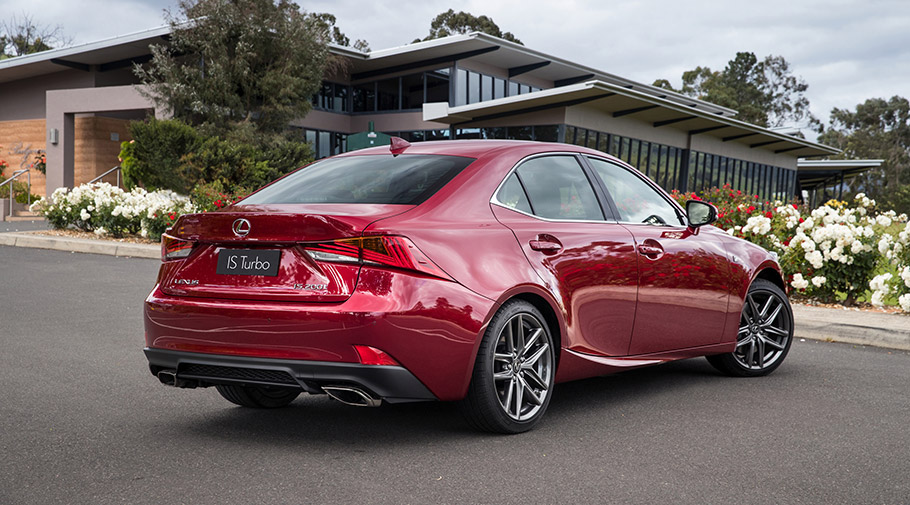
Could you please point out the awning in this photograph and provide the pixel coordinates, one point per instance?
(620, 101)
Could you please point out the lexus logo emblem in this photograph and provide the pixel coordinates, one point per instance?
(241, 227)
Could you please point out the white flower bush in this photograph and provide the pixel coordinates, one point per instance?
(838, 247)
(108, 210)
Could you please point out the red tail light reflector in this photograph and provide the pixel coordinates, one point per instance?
(173, 248)
(373, 356)
(386, 250)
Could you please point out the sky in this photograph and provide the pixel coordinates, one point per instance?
(846, 50)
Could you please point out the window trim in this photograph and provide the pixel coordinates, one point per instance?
(680, 214)
(608, 212)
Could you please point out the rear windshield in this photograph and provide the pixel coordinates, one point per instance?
(384, 179)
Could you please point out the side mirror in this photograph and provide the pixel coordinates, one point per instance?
(700, 213)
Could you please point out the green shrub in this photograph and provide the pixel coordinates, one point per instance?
(172, 155)
(153, 159)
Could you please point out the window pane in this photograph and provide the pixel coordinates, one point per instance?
(546, 133)
(486, 88)
(635, 146)
(592, 139)
(468, 133)
(341, 98)
(603, 142)
(558, 189)
(637, 201)
(384, 179)
(324, 145)
(437, 87)
(365, 97)
(388, 94)
(513, 88)
(512, 195)
(494, 133)
(461, 87)
(412, 91)
(499, 88)
(473, 87)
(570, 134)
(520, 132)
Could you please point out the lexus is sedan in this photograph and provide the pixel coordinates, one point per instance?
(477, 272)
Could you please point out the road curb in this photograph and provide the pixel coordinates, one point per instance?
(852, 326)
(81, 245)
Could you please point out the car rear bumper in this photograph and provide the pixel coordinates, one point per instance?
(393, 384)
(431, 327)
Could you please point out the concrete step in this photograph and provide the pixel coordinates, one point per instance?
(25, 213)
(27, 217)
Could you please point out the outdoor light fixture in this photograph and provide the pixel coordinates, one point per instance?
(53, 135)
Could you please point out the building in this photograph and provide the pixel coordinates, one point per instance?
(75, 104)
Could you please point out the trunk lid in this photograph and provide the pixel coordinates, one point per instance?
(264, 259)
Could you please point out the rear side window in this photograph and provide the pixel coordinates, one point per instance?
(383, 179)
(557, 188)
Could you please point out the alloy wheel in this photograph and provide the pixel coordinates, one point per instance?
(764, 331)
(522, 365)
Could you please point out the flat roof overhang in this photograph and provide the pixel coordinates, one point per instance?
(620, 101)
(107, 54)
(813, 173)
(517, 59)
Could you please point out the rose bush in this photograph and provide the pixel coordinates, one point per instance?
(108, 210)
(831, 252)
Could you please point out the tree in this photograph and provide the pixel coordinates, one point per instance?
(22, 36)
(877, 129)
(763, 92)
(336, 34)
(239, 65)
(452, 23)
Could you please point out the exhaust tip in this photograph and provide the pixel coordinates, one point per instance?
(168, 377)
(352, 396)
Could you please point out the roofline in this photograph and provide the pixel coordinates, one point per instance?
(583, 69)
(621, 90)
(81, 48)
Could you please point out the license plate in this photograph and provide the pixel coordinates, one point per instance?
(248, 262)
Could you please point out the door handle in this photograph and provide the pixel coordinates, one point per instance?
(545, 243)
(651, 249)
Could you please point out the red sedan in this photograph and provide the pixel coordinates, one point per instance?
(482, 272)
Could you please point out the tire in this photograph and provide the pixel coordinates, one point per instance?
(764, 336)
(258, 397)
(512, 381)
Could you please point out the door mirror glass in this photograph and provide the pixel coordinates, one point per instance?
(700, 213)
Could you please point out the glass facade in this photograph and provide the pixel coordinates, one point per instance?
(685, 170)
(670, 167)
(472, 87)
(325, 143)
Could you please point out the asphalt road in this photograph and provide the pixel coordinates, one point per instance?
(82, 421)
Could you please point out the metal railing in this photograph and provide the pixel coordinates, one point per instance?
(117, 169)
(10, 182)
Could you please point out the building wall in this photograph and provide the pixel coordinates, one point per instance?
(25, 99)
(627, 126)
(19, 142)
(95, 151)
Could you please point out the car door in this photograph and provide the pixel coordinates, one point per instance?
(683, 273)
(588, 262)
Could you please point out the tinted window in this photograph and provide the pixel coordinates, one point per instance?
(636, 200)
(558, 189)
(384, 179)
(512, 195)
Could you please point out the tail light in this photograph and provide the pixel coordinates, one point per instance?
(386, 250)
(173, 248)
(373, 356)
